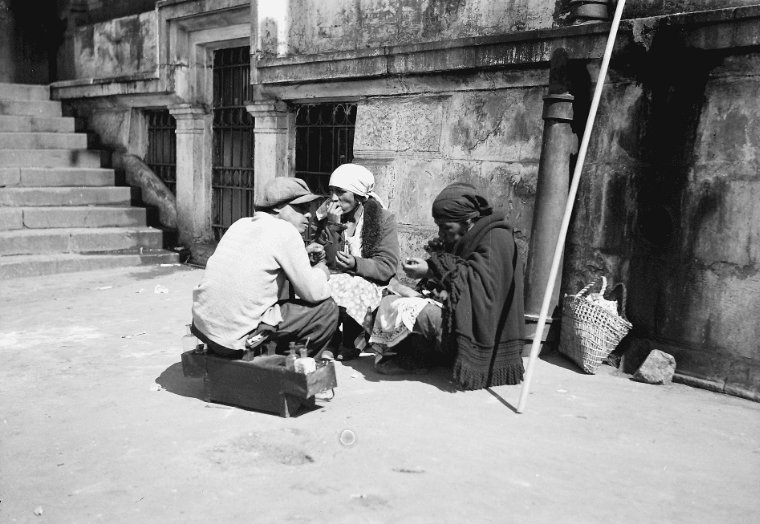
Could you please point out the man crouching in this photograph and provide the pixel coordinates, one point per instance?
(246, 294)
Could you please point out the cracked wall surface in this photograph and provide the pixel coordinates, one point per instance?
(668, 205)
(318, 26)
(119, 47)
(418, 145)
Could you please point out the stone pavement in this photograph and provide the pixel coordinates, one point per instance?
(97, 424)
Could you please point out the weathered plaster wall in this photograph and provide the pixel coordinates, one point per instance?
(316, 26)
(639, 8)
(102, 10)
(669, 206)
(418, 145)
(119, 47)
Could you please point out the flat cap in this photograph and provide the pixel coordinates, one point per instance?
(284, 190)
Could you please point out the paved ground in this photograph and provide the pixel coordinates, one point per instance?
(97, 424)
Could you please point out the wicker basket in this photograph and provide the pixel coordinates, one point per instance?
(591, 327)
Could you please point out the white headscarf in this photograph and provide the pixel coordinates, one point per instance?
(357, 179)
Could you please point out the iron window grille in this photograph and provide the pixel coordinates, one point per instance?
(232, 165)
(162, 146)
(324, 140)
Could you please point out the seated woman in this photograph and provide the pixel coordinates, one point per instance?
(479, 320)
(361, 244)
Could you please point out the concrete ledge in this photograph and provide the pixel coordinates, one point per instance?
(50, 158)
(65, 196)
(44, 108)
(61, 177)
(10, 176)
(716, 29)
(36, 265)
(707, 368)
(61, 217)
(527, 47)
(11, 219)
(42, 140)
(100, 87)
(78, 240)
(25, 124)
(24, 92)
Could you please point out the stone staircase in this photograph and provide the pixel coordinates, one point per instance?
(59, 210)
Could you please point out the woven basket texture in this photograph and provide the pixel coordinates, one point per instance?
(590, 329)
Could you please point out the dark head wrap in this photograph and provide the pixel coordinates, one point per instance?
(460, 201)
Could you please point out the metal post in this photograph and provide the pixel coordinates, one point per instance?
(559, 144)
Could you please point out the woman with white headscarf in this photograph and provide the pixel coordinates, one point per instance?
(361, 244)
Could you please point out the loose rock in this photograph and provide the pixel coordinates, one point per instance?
(658, 368)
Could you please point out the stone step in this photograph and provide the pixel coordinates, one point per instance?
(14, 140)
(65, 196)
(49, 158)
(25, 124)
(79, 240)
(24, 92)
(56, 177)
(44, 108)
(58, 217)
(16, 266)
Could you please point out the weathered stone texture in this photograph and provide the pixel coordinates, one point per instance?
(494, 125)
(414, 155)
(668, 205)
(639, 8)
(338, 25)
(413, 125)
(658, 368)
(118, 47)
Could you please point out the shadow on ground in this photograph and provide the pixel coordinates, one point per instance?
(439, 377)
(173, 380)
(556, 359)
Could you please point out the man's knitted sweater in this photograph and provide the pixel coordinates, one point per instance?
(247, 275)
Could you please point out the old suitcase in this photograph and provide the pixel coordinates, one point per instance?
(261, 384)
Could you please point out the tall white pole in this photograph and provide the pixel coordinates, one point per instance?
(534, 349)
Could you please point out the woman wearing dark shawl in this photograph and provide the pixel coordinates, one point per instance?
(482, 321)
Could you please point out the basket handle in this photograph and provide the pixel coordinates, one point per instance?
(585, 289)
(623, 296)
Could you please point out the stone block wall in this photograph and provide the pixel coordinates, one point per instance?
(668, 206)
(119, 47)
(419, 144)
(318, 26)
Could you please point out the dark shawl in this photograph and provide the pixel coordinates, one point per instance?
(483, 315)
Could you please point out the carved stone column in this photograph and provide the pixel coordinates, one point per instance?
(271, 153)
(194, 143)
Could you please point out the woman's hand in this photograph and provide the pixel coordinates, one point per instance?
(316, 253)
(344, 261)
(415, 267)
(334, 212)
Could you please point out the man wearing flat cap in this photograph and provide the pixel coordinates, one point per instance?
(246, 294)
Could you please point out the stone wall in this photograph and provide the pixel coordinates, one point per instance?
(668, 206)
(317, 26)
(103, 10)
(417, 145)
(116, 48)
(640, 8)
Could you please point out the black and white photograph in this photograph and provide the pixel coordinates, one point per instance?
(380, 261)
